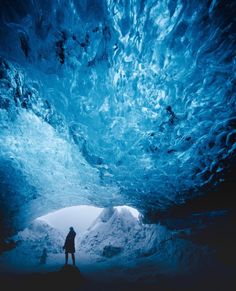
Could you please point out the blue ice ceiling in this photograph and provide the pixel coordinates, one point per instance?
(114, 102)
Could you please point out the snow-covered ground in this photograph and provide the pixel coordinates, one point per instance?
(116, 243)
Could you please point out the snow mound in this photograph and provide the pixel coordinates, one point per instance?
(118, 237)
(34, 245)
(40, 235)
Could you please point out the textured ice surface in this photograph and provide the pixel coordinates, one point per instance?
(114, 102)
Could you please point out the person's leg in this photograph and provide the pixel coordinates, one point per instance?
(66, 253)
(73, 258)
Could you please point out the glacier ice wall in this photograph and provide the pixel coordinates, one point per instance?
(114, 102)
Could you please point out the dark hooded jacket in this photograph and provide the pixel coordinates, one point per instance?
(69, 245)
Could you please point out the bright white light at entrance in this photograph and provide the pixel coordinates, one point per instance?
(80, 217)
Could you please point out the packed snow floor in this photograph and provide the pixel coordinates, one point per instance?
(142, 274)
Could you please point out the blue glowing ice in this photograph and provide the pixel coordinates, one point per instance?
(115, 102)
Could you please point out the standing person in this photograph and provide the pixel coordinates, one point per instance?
(43, 257)
(69, 245)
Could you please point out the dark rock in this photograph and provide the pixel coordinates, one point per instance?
(111, 251)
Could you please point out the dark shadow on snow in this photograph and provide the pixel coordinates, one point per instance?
(67, 278)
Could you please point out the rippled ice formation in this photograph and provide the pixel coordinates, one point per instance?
(116, 102)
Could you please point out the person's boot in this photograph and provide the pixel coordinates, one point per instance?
(66, 263)
(73, 260)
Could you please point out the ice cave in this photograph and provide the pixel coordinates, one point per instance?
(123, 113)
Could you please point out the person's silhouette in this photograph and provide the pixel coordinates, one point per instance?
(69, 245)
(43, 257)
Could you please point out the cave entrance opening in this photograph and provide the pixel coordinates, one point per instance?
(81, 217)
(101, 234)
